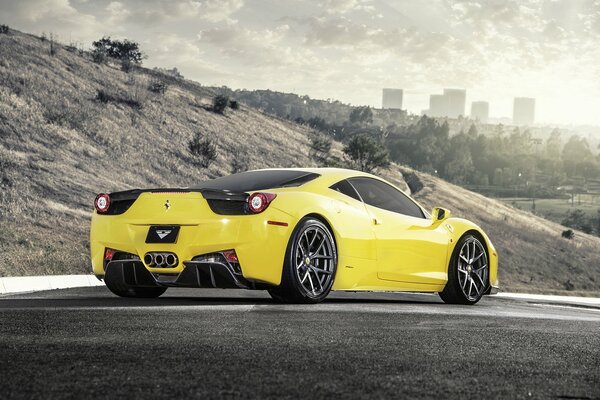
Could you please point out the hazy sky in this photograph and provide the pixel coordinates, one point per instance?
(350, 49)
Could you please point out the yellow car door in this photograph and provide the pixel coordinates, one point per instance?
(410, 248)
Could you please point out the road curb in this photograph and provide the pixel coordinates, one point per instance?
(570, 300)
(21, 284)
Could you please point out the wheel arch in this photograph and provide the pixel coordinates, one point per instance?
(326, 222)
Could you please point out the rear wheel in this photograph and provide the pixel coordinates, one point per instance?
(310, 264)
(131, 291)
(467, 273)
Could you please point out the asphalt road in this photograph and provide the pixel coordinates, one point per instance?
(83, 343)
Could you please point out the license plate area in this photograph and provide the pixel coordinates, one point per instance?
(162, 234)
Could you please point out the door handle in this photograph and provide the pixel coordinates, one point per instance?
(377, 221)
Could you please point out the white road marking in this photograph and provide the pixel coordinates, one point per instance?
(529, 311)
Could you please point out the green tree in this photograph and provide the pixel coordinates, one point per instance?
(126, 51)
(361, 116)
(553, 145)
(458, 163)
(575, 152)
(578, 220)
(366, 154)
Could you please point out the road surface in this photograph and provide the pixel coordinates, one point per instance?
(83, 343)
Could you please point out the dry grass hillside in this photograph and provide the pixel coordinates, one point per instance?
(60, 145)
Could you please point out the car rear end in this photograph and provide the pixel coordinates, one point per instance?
(200, 237)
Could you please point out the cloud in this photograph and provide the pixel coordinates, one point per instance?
(265, 47)
(158, 11)
(117, 13)
(50, 16)
(410, 44)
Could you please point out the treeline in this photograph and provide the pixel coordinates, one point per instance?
(304, 109)
(507, 158)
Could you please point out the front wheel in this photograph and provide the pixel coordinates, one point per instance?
(467, 273)
(310, 264)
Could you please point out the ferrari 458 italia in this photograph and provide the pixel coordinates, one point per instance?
(298, 233)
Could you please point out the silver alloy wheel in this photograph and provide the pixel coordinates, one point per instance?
(315, 260)
(472, 266)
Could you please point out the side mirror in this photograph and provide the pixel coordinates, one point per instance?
(439, 214)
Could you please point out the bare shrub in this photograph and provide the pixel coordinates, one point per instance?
(320, 148)
(58, 111)
(158, 86)
(240, 163)
(4, 29)
(220, 103)
(568, 234)
(104, 96)
(204, 150)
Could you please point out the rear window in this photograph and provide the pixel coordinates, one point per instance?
(259, 180)
(346, 188)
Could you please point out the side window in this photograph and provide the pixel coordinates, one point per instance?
(345, 188)
(381, 195)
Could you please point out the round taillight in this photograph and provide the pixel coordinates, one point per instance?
(102, 203)
(258, 202)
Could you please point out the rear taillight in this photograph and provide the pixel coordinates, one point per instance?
(109, 254)
(230, 256)
(102, 202)
(258, 202)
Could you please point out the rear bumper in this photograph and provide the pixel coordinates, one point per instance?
(260, 246)
(196, 274)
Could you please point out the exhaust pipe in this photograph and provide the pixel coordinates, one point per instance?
(170, 260)
(149, 259)
(161, 260)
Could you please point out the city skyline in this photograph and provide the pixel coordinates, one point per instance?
(452, 104)
(344, 49)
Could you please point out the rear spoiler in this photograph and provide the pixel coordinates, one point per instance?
(208, 194)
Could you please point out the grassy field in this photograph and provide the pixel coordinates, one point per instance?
(557, 209)
(59, 146)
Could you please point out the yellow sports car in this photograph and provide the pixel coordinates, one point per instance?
(298, 233)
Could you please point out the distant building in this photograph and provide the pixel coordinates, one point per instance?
(456, 99)
(524, 111)
(451, 104)
(438, 105)
(480, 110)
(392, 98)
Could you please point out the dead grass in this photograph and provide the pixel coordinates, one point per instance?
(59, 146)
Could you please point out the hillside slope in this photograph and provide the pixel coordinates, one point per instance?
(59, 146)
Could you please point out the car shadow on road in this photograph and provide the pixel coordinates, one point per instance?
(103, 300)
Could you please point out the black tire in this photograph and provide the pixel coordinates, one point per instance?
(468, 272)
(123, 290)
(307, 278)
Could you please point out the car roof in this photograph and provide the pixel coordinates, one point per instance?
(330, 174)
